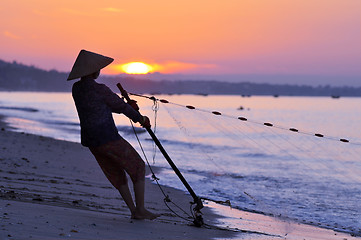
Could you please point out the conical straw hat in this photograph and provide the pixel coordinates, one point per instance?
(87, 63)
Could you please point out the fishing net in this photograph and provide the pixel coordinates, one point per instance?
(295, 158)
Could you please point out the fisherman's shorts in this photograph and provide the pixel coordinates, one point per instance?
(117, 157)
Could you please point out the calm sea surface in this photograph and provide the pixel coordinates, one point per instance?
(259, 164)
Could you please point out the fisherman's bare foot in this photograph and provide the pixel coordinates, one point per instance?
(144, 214)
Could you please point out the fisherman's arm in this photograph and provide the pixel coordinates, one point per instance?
(118, 105)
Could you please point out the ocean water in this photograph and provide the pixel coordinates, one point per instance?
(259, 167)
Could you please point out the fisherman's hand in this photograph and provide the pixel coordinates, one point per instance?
(133, 104)
(144, 122)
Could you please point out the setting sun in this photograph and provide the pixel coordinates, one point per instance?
(136, 68)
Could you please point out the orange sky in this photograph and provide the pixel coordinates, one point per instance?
(188, 36)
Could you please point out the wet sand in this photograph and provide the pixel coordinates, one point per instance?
(52, 189)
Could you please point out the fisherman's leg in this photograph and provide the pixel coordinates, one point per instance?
(119, 181)
(135, 167)
(114, 173)
(137, 174)
(140, 211)
(123, 156)
(127, 197)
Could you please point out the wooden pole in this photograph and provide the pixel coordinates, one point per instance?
(199, 205)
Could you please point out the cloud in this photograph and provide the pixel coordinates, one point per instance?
(92, 12)
(111, 9)
(11, 35)
(176, 67)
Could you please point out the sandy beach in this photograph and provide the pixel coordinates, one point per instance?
(52, 189)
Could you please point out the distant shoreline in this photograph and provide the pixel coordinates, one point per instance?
(201, 94)
(19, 77)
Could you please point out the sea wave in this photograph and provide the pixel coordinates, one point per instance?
(24, 109)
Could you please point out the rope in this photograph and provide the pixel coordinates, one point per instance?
(244, 119)
(166, 197)
(155, 109)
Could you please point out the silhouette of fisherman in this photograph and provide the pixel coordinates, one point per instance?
(95, 104)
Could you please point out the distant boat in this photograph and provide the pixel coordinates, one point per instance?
(243, 108)
(335, 96)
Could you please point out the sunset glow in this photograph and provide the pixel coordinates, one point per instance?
(136, 68)
(260, 37)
